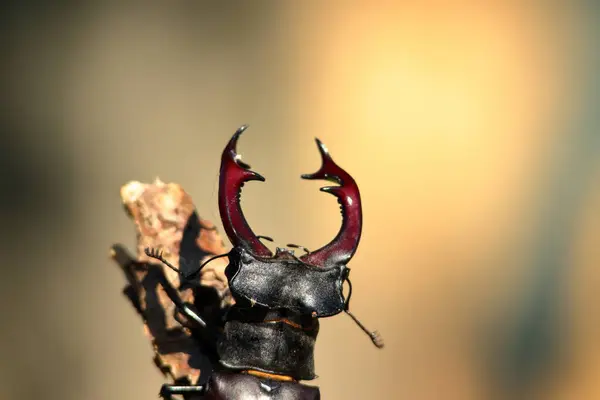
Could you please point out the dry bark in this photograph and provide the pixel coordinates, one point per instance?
(165, 219)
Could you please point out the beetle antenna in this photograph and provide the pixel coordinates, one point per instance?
(270, 239)
(153, 253)
(193, 274)
(295, 246)
(374, 335)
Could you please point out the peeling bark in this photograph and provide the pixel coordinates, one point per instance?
(165, 219)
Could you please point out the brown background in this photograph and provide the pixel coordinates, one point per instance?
(470, 128)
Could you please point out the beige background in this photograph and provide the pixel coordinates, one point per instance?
(464, 124)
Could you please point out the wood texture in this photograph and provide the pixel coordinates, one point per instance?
(165, 219)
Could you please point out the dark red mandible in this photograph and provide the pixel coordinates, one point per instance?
(341, 249)
(234, 173)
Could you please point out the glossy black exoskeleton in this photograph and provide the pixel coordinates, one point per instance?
(265, 344)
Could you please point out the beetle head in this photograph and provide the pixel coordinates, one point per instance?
(307, 285)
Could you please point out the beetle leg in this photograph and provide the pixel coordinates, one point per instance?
(167, 391)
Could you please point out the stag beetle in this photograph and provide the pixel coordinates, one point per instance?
(266, 343)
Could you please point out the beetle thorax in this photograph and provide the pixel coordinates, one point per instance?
(274, 341)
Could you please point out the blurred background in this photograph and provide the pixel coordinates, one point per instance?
(471, 128)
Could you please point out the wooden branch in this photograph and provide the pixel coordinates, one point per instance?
(165, 219)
